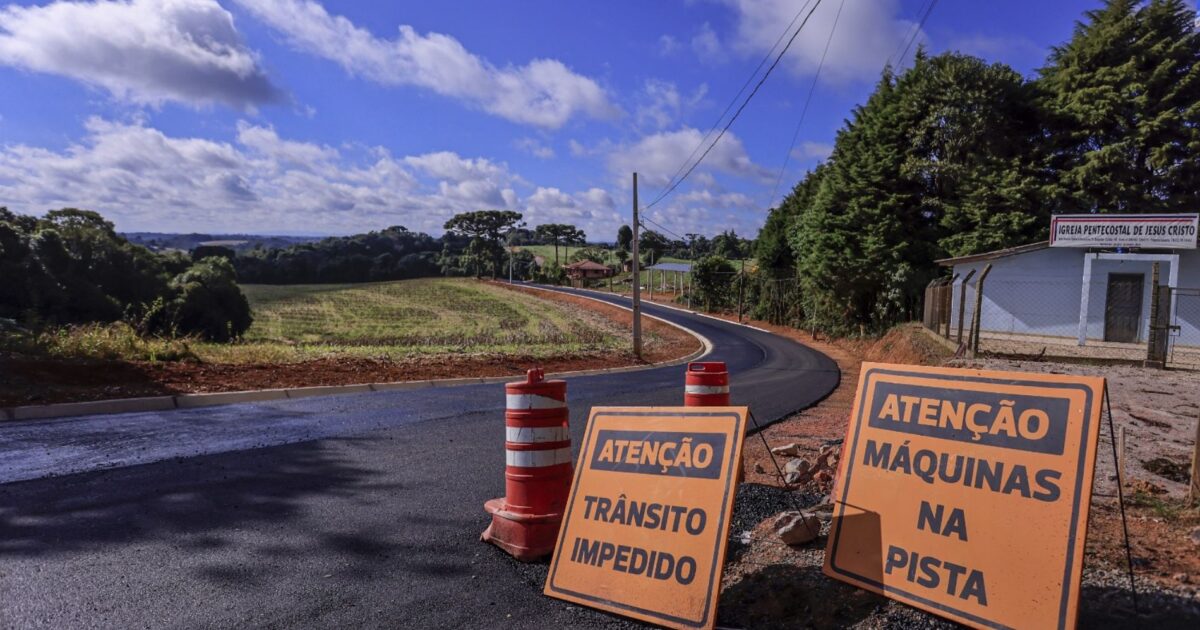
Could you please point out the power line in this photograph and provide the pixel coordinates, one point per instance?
(912, 37)
(804, 112)
(739, 111)
(662, 227)
(735, 98)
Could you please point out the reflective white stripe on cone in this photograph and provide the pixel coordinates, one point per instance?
(706, 389)
(535, 459)
(536, 435)
(532, 401)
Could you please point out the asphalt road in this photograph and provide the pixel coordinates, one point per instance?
(350, 511)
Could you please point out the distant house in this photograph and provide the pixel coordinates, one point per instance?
(587, 270)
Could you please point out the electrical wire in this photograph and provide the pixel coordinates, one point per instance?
(915, 32)
(740, 91)
(739, 111)
(804, 112)
(661, 227)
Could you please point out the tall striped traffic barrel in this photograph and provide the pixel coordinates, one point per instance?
(706, 385)
(537, 474)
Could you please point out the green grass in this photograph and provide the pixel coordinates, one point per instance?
(564, 253)
(407, 318)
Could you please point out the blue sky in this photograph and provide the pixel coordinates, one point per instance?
(337, 117)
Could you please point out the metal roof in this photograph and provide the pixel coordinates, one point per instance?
(585, 264)
(1000, 253)
(684, 267)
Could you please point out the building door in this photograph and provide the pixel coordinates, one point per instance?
(1123, 307)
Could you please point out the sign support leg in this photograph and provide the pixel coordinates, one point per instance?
(1112, 434)
(782, 477)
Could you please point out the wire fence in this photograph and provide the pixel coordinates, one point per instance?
(1124, 320)
(1183, 334)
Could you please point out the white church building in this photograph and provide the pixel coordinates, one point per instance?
(1090, 284)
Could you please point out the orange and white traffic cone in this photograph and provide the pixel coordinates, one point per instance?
(706, 385)
(538, 468)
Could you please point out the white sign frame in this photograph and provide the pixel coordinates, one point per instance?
(1144, 231)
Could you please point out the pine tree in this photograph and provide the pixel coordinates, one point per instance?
(1122, 101)
(856, 241)
(971, 133)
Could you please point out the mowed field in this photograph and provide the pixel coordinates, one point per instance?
(408, 318)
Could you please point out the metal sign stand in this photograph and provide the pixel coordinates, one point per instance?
(1112, 434)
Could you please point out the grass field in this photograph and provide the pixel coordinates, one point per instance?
(564, 254)
(407, 318)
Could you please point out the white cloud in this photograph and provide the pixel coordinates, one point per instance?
(656, 157)
(661, 105)
(868, 33)
(592, 210)
(705, 212)
(544, 92)
(534, 147)
(706, 45)
(808, 149)
(141, 51)
(668, 45)
(144, 179)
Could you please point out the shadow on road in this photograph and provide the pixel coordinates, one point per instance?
(188, 502)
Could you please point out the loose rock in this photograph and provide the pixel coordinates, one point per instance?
(793, 478)
(797, 466)
(795, 528)
(792, 449)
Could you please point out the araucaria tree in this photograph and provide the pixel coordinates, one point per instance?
(560, 234)
(486, 229)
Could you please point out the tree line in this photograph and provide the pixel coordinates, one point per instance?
(71, 267)
(958, 156)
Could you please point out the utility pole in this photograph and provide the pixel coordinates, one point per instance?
(637, 279)
(741, 289)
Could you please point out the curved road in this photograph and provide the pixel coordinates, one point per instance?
(353, 511)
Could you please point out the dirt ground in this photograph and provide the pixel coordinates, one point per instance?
(28, 381)
(768, 584)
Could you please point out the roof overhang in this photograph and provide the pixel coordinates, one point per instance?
(1000, 253)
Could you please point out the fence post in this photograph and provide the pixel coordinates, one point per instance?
(1194, 492)
(1152, 358)
(948, 303)
(962, 304)
(976, 319)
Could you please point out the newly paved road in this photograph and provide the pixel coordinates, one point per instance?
(350, 511)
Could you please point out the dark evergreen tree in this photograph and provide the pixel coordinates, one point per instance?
(1122, 104)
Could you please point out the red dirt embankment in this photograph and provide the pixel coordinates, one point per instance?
(31, 381)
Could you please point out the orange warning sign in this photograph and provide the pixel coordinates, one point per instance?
(966, 493)
(645, 530)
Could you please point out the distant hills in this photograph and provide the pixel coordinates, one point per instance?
(166, 241)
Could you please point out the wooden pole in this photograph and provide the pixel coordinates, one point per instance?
(637, 279)
(1121, 455)
(962, 304)
(976, 318)
(1194, 493)
(1152, 358)
(741, 290)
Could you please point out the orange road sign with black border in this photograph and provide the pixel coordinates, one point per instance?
(646, 526)
(966, 492)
